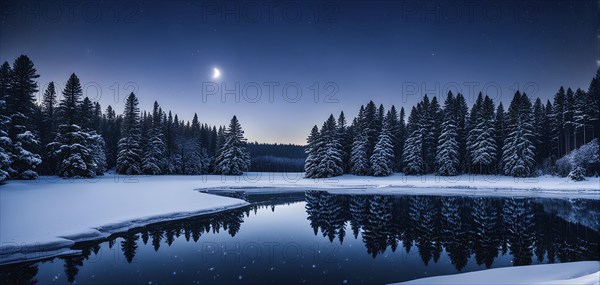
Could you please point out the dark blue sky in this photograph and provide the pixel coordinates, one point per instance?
(357, 50)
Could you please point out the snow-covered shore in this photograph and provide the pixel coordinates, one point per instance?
(475, 185)
(580, 273)
(43, 218)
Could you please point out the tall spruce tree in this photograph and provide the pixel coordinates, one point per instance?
(153, 162)
(500, 127)
(383, 155)
(22, 109)
(344, 138)
(233, 158)
(129, 157)
(74, 149)
(483, 146)
(401, 136)
(413, 148)
(519, 150)
(447, 158)
(312, 149)
(330, 156)
(558, 133)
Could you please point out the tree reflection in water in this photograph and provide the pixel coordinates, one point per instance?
(551, 230)
(482, 227)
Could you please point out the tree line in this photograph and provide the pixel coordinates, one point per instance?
(528, 139)
(73, 137)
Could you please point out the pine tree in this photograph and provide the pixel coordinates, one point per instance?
(461, 119)
(483, 145)
(20, 104)
(233, 158)
(594, 97)
(312, 148)
(413, 148)
(447, 158)
(382, 158)
(153, 162)
(111, 132)
(346, 146)
(401, 136)
(583, 114)
(86, 114)
(432, 117)
(569, 123)
(519, 151)
(75, 152)
(360, 161)
(359, 158)
(558, 132)
(5, 145)
(129, 156)
(500, 127)
(48, 128)
(330, 156)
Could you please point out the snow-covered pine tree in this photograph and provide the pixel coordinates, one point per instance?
(97, 147)
(129, 157)
(394, 125)
(5, 145)
(594, 96)
(583, 113)
(330, 157)
(312, 148)
(447, 158)
(383, 154)
(558, 132)
(539, 115)
(370, 125)
(359, 159)
(70, 150)
(360, 163)
(432, 120)
(483, 150)
(401, 136)
(473, 131)
(412, 156)
(500, 127)
(5, 141)
(346, 145)
(461, 117)
(569, 123)
(153, 162)
(233, 158)
(518, 152)
(20, 104)
(73, 148)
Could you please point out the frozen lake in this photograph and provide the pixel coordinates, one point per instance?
(317, 238)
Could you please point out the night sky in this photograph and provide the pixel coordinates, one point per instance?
(357, 50)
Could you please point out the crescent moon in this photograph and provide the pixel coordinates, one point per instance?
(216, 73)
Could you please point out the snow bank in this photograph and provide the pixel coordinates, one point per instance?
(486, 185)
(42, 218)
(581, 273)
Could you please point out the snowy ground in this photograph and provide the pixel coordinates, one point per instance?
(545, 186)
(581, 273)
(43, 218)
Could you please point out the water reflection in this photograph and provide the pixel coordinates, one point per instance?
(482, 228)
(462, 226)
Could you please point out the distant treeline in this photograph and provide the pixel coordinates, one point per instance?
(276, 157)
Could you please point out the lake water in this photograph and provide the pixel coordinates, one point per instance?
(321, 238)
